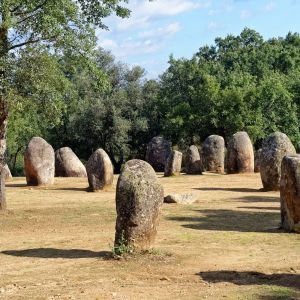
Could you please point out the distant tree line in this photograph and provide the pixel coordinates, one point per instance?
(89, 100)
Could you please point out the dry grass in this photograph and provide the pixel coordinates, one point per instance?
(56, 244)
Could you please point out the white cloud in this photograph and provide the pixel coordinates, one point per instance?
(144, 12)
(137, 47)
(212, 26)
(148, 30)
(145, 42)
(167, 31)
(128, 48)
(269, 6)
(107, 43)
(212, 12)
(245, 14)
(169, 7)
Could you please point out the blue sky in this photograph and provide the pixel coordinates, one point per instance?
(180, 27)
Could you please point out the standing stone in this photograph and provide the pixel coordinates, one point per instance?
(193, 161)
(274, 148)
(290, 193)
(67, 164)
(257, 155)
(240, 154)
(39, 162)
(158, 151)
(139, 197)
(6, 173)
(173, 165)
(100, 171)
(213, 154)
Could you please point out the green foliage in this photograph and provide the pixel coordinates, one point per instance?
(240, 83)
(113, 118)
(122, 248)
(76, 96)
(44, 47)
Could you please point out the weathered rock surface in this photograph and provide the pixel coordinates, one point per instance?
(173, 164)
(213, 154)
(257, 155)
(193, 161)
(290, 193)
(6, 173)
(181, 198)
(67, 164)
(100, 171)
(158, 151)
(274, 148)
(240, 157)
(39, 162)
(3, 205)
(139, 197)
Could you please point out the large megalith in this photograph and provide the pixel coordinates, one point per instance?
(100, 171)
(274, 148)
(139, 197)
(67, 164)
(173, 164)
(39, 162)
(240, 157)
(193, 161)
(158, 151)
(213, 154)
(290, 193)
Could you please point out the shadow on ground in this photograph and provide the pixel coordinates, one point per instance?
(231, 220)
(258, 199)
(72, 189)
(239, 190)
(260, 207)
(252, 278)
(58, 253)
(16, 185)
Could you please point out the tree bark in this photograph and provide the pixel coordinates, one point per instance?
(2, 192)
(4, 48)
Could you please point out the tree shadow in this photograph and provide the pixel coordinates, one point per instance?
(260, 207)
(16, 185)
(239, 190)
(252, 278)
(73, 189)
(231, 220)
(260, 199)
(58, 253)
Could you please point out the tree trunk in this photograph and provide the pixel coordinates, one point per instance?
(2, 192)
(4, 48)
(15, 160)
(3, 130)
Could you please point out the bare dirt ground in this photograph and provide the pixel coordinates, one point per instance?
(56, 244)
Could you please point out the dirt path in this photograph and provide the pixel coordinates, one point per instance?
(56, 243)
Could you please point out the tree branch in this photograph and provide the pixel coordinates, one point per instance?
(28, 17)
(33, 10)
(24, 44)
(15, 9)
(32, 41)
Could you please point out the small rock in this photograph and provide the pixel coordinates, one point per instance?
(181, 198)
(165, 278)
